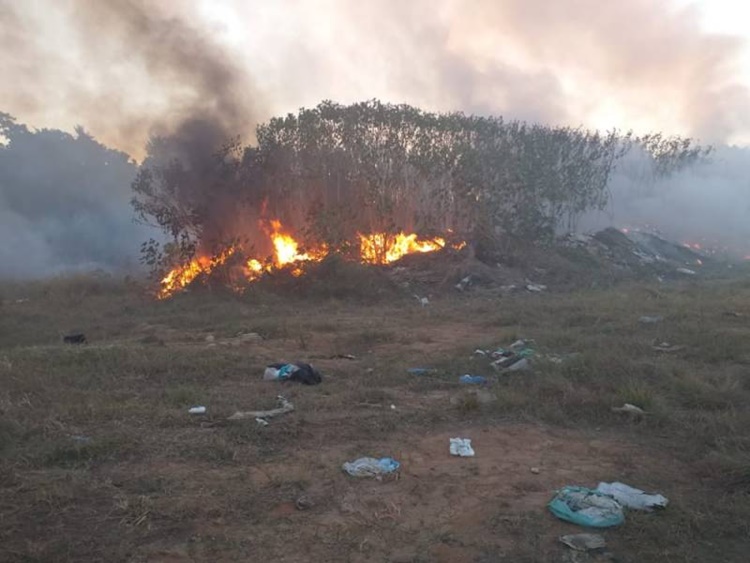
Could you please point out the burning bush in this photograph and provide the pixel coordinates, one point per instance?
(371, 182)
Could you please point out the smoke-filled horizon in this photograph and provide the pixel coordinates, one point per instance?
(201, 73)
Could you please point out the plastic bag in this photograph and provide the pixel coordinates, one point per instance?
(586, 507)
(631, 497)
(371, 467)
(461, 447)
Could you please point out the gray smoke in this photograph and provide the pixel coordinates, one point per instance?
(131, 69)
(64, 199)
(707, 203)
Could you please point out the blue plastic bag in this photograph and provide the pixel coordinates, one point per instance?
(371, 467)
(586, 507)
(472, 379)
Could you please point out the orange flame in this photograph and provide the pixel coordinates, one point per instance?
(378, 248)
(181, 276)
(381, 248)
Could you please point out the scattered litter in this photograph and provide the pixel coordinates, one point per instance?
(586, 507)
(304, 503)
(261, 422)
(343, 357)
(393, 407)
(535, 470)
(650, 320)
(23, 300)
(472, 379)
(197, 410)
(423, 301)
(584, 542)
(461, 447)
(535, 287)
(421, 371)
(508, 288)
(463, 284)
(304, 373)
(284, 407)
(629, 409)
(76, 338)
(371, 467)
(560, 358)
(666, 347)
(686, 271)
(210, 338)
(514, 358)
(521, 365)
(631, 497)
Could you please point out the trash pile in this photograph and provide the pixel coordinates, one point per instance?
(301, 372)
(604, 506)
(516, 357)
(637, 250)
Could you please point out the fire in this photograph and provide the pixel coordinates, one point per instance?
(381, 248)
(181, 276)
(286, 248)
(378, 248)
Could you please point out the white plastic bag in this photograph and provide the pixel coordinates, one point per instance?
(631, 497)
(370, 467)
(461, 447)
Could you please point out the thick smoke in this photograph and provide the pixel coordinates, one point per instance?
(132, 72)
(63, 204)
(707, 203)
(194, 72)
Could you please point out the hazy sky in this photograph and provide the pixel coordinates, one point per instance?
(124, 68)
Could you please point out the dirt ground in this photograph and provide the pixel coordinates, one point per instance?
(100, 460)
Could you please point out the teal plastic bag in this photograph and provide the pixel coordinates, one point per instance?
(586, 507)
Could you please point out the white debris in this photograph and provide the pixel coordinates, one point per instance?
(461, 447)
(584, 542)
(628, 408)
(535, 287)
(197, 410)
(686, 271)
(631, 497)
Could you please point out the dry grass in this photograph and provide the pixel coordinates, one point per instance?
(99, 459)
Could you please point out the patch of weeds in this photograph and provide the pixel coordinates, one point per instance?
(183, 395)
(467, 404)
(9, 433)
(97, 450)
(636, 393)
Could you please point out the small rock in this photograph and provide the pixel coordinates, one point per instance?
(210, 338)
(249, 337)
(584, 542)
(535, 470)
(304, 503)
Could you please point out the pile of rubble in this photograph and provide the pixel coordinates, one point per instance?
(637, 250)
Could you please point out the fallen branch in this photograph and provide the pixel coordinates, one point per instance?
(284, 407)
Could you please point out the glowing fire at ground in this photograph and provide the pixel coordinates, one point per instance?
(378, 248)
(381, 248)
(182, 276)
